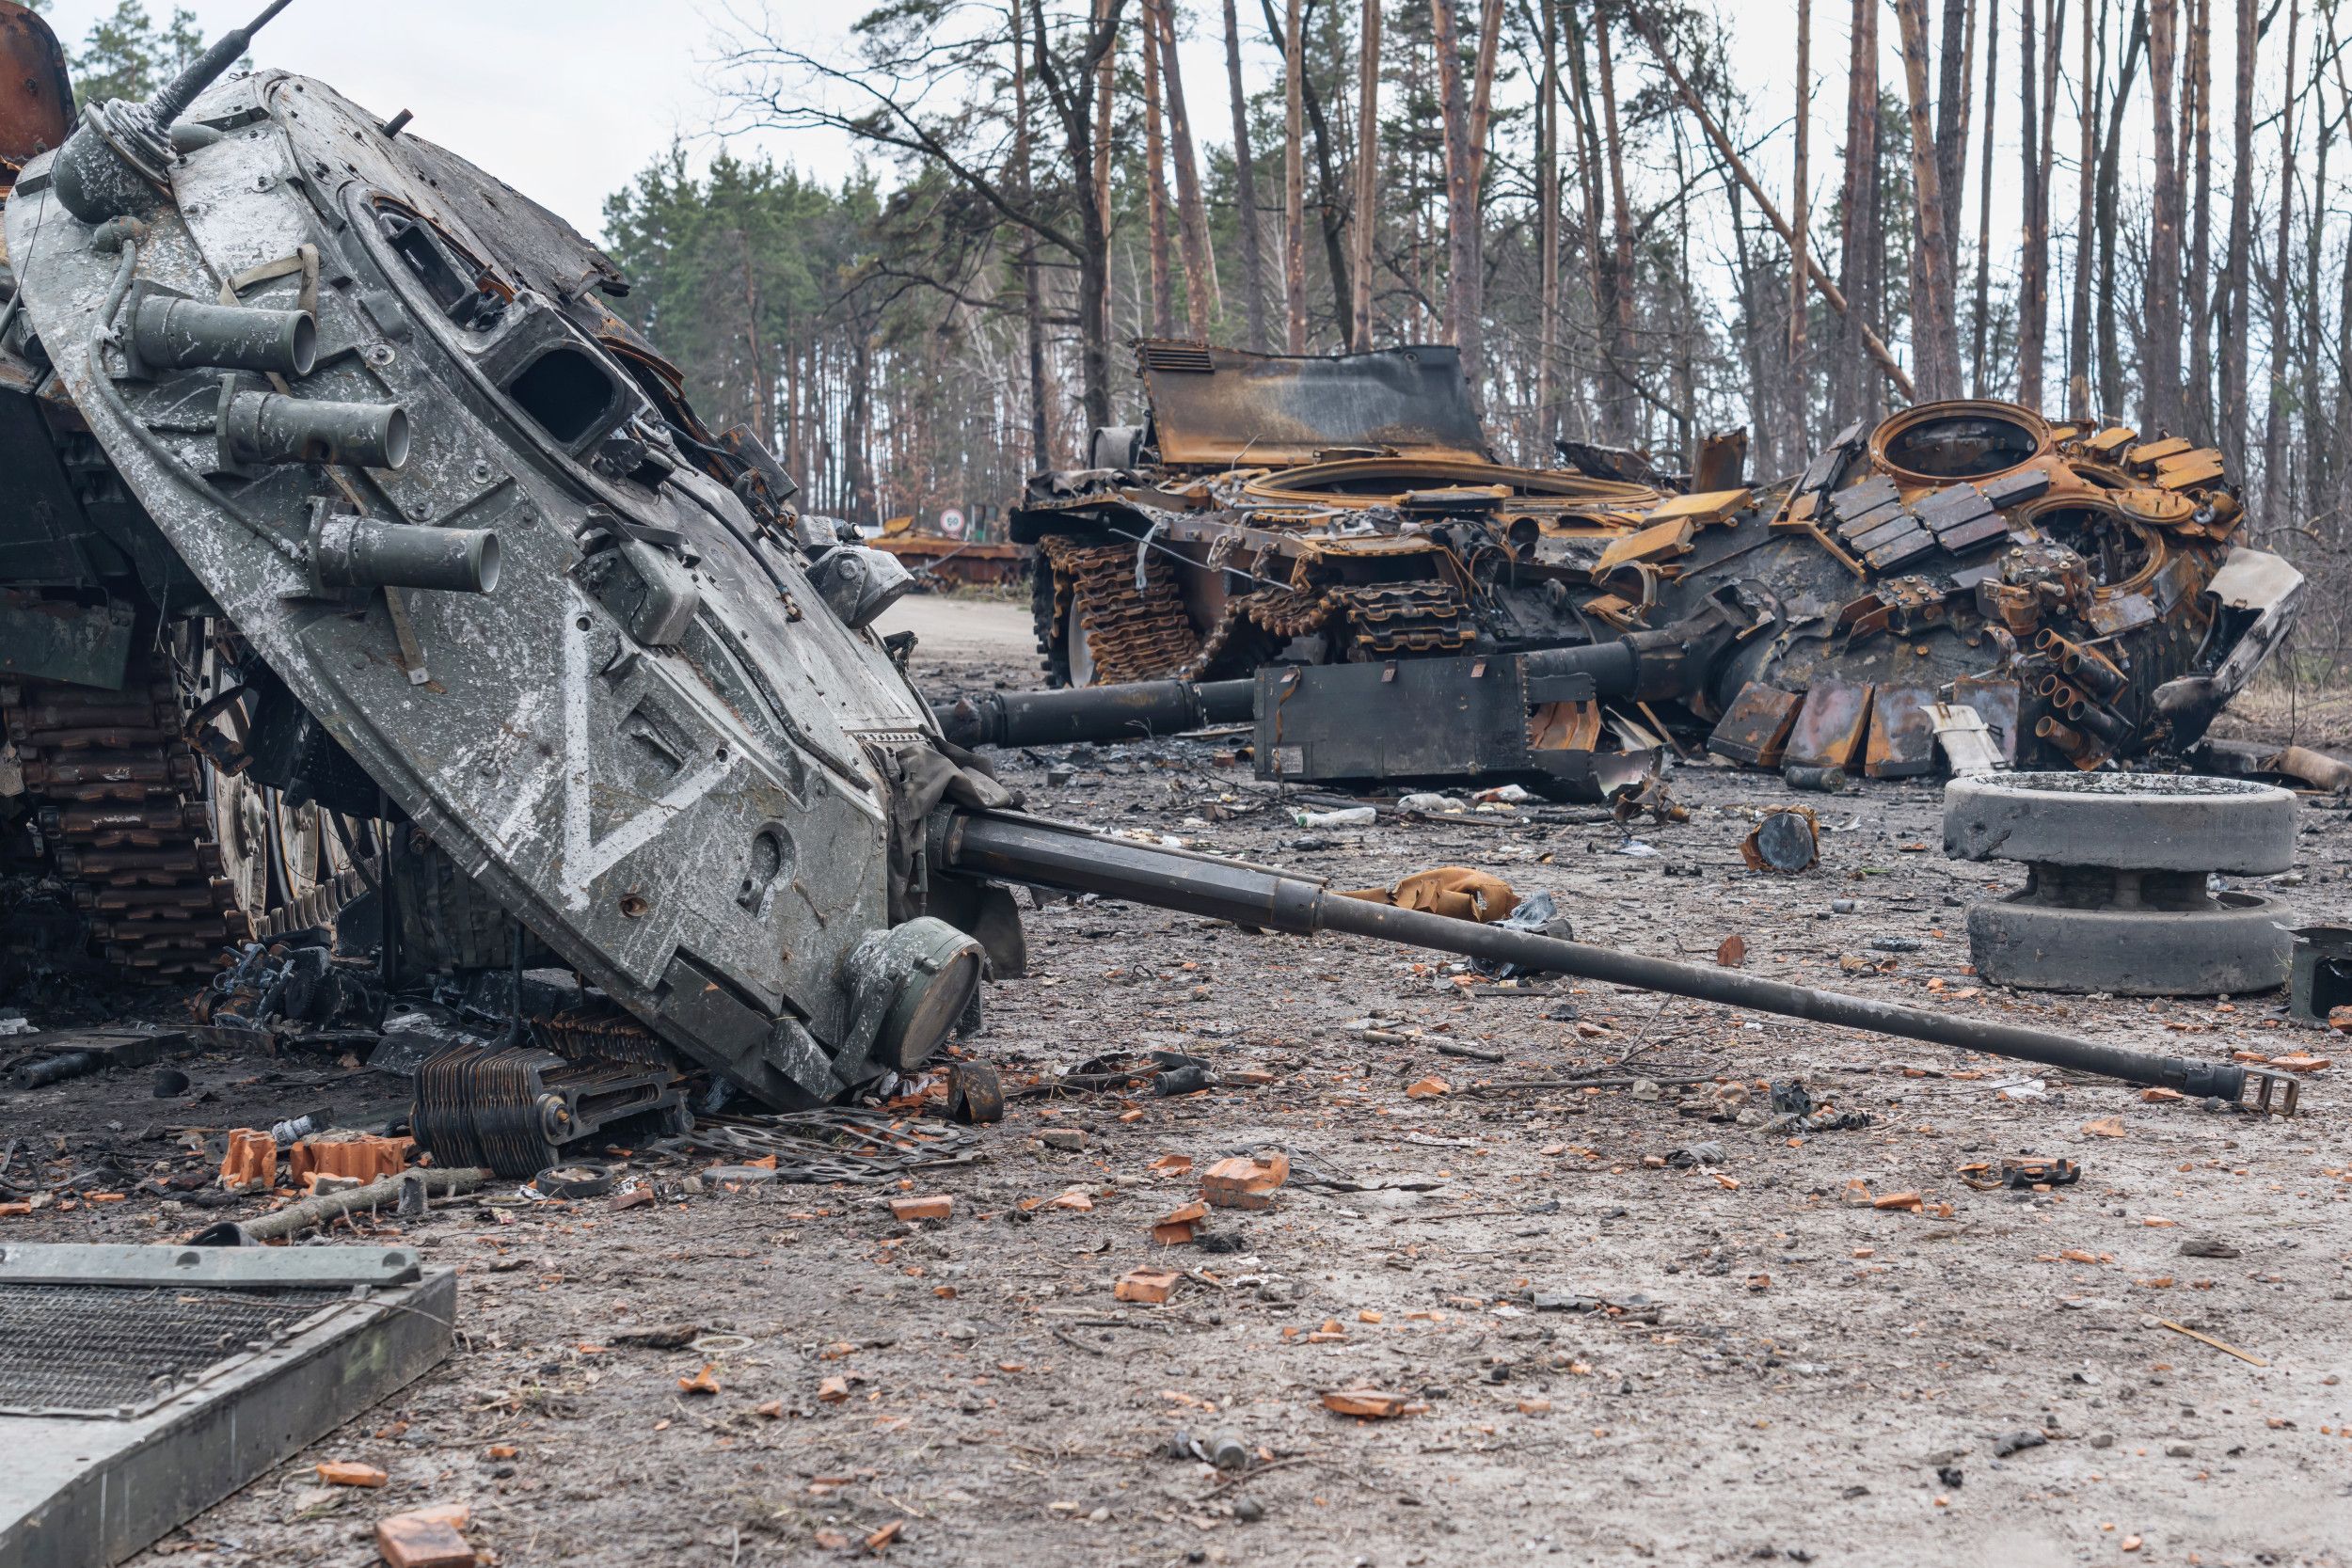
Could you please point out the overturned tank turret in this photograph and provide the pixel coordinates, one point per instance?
(1326, 548)
(338, 507)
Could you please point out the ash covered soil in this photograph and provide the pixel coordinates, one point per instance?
(1603, 1358)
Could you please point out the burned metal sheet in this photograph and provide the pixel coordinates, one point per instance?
(1755, 730)
(1828, 731)
(1946, 545)
(36, 108)
(1222, 408)
(1900, 741)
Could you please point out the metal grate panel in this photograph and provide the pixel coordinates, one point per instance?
(112, 1352)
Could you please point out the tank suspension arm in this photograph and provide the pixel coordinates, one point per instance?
(1029, 849)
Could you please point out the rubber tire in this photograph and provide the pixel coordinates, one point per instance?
(2242, 946)
(2169, 823)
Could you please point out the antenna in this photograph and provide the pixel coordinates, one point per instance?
(117, 162)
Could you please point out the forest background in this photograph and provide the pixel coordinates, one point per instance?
(2126, 210)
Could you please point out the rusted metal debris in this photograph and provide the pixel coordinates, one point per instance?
(938, 560)
(38, 111)
(1409, 610)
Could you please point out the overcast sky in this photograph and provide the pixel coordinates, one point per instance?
(568, 99)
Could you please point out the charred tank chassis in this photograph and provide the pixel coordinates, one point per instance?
(330, 472)
(1327, 546)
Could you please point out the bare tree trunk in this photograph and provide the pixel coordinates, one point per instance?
(1980, 326)
(2078, 335)
(1738, 166)
(1683, 316)
(1333, 194)
(2054, 36)
(2274, 427)
(1620, 402)
(2033, 283)
(1933, 339)
(1094, 262)
(2343, 442)
(1155, 179)
(2161, 360)
(1295, 181)
(1246, 177)
(1588, 160)
(1951, 119)
(2237, 258)
(2110, 200)
(1367, 216)
(1202, 303)
(763, 388)
(1859, 207)
(1547, 239)
(1032, 304)
(2319, 464)
(1482, 95)
(1462, 221)
(2199, 410)
(1800, 216)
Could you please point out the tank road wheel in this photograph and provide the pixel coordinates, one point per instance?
(1079, 649)
(239, 817)
(2118, 895)
(299, 835)
(2230, 944)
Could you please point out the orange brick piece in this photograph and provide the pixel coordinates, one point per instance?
(1148, 1286)
(1181, 1225)
(1369, 1402)
(937, 1207)
(1245, 1184)
(252, 1161)
(1899, 1200)
(361, 1156)
(427, 1539)
(342, 1472)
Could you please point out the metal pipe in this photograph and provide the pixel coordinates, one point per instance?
(1019, 849)
(266, 427)
(348, 551)
(1613, 665)
(1130, 711)
(187, 334)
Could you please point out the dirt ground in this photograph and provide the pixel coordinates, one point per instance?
(1604, 1358)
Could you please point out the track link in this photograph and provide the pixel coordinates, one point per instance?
(1132, 635)
(118, 814)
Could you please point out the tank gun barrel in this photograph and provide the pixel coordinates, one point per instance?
(1133, 711)
(1029, 849)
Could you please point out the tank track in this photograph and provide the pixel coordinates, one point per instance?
(1404, 618)
(114, 791)
(1134, 636)
(1147, 636)
(1388, 621)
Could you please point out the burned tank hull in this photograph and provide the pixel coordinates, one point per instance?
(1416, 613)
(373, 504)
